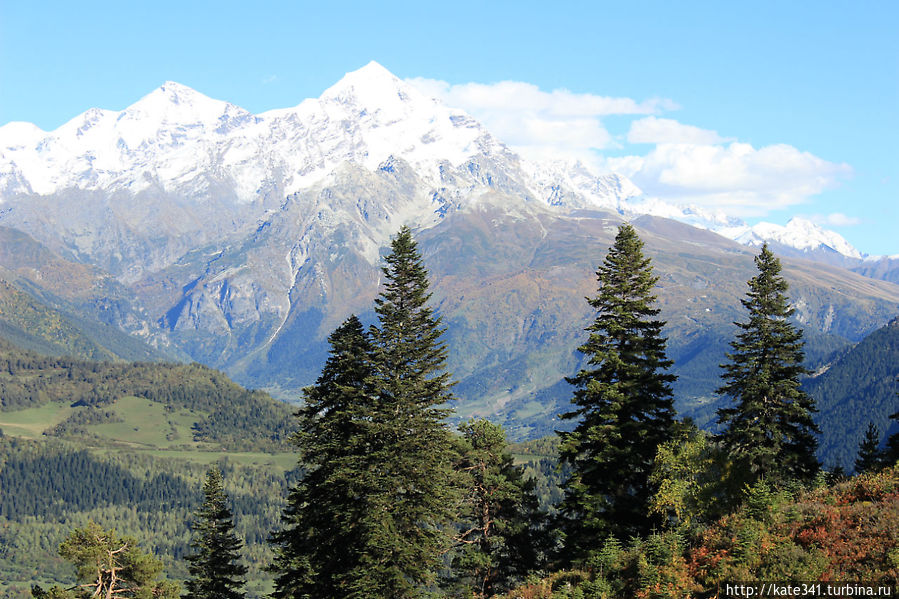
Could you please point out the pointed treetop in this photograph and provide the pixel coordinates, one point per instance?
(215, 568)
(769, 431)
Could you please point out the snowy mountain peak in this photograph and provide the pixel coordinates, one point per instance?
(374, 88)
(799, 233)
(18, 134)
(173, 90)
(372, 75)
(176, 93)
(176, 103)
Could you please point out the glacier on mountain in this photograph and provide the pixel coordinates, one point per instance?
(177, 141)
(799, 233)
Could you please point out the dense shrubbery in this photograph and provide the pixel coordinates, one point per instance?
(843, 532)
(846, 532)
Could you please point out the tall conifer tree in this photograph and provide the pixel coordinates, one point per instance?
(365, 522)
(324, 535)
(502, 536)
(769, 432)
(623, 402)
(215, 568)
(870, 458)
(414, 450)
(890, 453)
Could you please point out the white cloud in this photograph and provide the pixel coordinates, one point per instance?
(836, 219)
(737, 177)
(688, 164)
(540, 124)
(653, 130)
(519, 96)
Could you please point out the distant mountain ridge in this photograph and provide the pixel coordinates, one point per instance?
(240, 241)
(859, 387)
(176, 141)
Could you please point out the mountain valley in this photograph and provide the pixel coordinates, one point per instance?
(203, 232)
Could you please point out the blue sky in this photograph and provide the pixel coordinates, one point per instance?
(776, 108)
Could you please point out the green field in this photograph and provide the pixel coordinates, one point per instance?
(280, 462)
(148, 428)
(31, 423)
(148, 423)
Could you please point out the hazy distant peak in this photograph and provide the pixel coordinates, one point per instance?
(799, 233)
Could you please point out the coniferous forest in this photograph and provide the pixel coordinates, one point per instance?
(368, 491)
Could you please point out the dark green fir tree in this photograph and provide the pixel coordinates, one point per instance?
(623, 405)
(326, 522)
(367, 519)
(414, 453)
(214, 566)
(870, 458)
(502, 531)
(769, 431)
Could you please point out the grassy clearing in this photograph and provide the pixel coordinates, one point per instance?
(277, 461)
(32, 422)
(148, 429)
(529, 410)
(147, 423)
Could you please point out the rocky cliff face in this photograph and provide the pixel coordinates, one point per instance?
(242, 240)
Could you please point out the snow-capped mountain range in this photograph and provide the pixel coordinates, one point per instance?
(176, 141)
(798, 233)
(240, 241)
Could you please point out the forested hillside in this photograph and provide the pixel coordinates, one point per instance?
(857, 388)
(127, 445)
(49, 487)
(367, 492)
(77, 398)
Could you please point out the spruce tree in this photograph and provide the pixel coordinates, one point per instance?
(414, 448)
(366, 520)
(870, 458)
(502, 535)
(215, 568)
(326, 521)
(623, 402)
(769, 432)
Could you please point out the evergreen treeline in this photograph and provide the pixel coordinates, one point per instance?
(51, 484)
(388, 503)
(858, 388)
